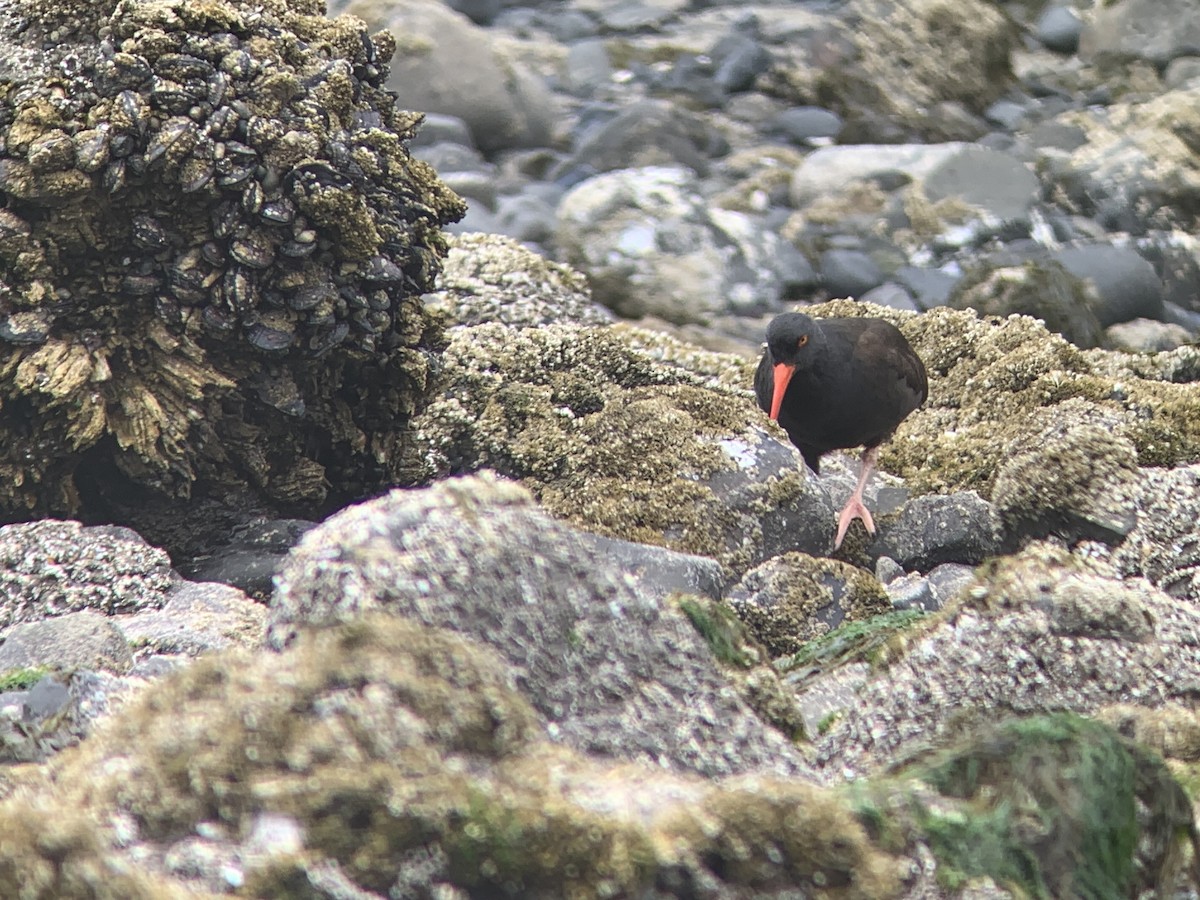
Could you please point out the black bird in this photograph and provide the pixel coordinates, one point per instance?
(839, 383)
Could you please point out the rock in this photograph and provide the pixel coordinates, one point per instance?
(1126, 284)
(155, 373)
(891, 295)
(1058, 28)
(1164, 546)
(873, 67)
(849, 273)
(526, 218)
(935, 529)
(488, 278)
(803, 124)
(1056, 616)
(1146, 336)
(447, 64)
(1141, 29)
(434, 718)
(251, 556)
(195, 619)
(929, 287)
(992, 183)
(49, 568)
(599, 661)
(481, 12)
(830, 170)
(738, 59)
(81, 640)
(791, 599)
(1131, 172)
(651, 245)
(1076, 476)
(1068, 304)
(658, 573)
(588, 66)
(647, 134)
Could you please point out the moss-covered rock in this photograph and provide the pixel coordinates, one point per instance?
(50, 851)
(617, 673)
(1041, 630)
(791, 599)
(212, 250)
(887, 44)
(1044, 290)
(606, 426)
(1050, 806)
(404, 757)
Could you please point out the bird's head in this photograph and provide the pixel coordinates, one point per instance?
(792, 339)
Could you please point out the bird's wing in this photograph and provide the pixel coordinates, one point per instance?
(877, 342)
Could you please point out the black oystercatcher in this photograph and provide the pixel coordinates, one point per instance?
(838, 383)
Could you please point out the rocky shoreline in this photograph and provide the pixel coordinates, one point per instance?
(598, 645)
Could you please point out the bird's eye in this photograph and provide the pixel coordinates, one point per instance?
(802, 340)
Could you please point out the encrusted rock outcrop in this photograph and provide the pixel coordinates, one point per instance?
(213, 243)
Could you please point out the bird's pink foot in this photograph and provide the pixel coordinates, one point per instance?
(854, 509)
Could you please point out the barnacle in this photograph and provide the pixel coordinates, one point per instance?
(194, 194)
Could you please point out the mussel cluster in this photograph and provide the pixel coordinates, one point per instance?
(260, 173)
(210, 181)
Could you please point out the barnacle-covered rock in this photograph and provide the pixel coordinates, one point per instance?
(202, 205)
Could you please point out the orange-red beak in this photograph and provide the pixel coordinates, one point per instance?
(783, 374)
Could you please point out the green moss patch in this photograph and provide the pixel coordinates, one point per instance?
(1046, 806)
(867, 640)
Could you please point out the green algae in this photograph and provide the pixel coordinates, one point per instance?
(22, 679)
(721, 629)
(1046, 806)
(867, 640)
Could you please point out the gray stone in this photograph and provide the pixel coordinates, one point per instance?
(82, 640)
(1146, 336)
(588, 66)
(49, 568)
(849, 273)
(803, 124)
(1126, 283)
(651, 244)
(1058, 28)
(994, 183)
(1153, 30)
(615, 673)
(948, 579)
(197, 618)
(891, 295)
(929, 287)
(961, 527)
(657, 572)
(912, 591)
(647, 133)
(452, 66)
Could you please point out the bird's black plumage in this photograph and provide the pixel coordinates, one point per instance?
(852, 382)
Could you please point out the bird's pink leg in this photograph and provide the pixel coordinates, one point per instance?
(855, 508)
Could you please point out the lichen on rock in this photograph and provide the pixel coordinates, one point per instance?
(211, 254)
